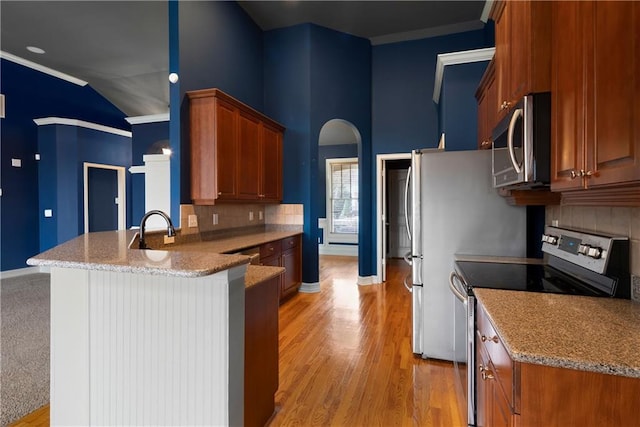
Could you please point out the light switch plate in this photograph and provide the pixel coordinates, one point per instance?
(260, 215)
(215, 219)
(37, 156)
(250, 215)
(48, 213)
(193, 220)
(16, 163)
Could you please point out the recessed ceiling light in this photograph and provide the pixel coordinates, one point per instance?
(35, 49)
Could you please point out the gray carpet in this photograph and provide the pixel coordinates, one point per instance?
(24, 345)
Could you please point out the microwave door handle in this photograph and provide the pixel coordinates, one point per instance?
(406, 202)
(455, 290)
(512, 124)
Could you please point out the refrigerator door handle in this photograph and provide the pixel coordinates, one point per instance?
(454, 288)
(405, 282)
(406, 203)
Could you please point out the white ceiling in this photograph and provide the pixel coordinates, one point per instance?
(121, 47)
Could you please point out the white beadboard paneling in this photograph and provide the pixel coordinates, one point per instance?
(135, 349)
(70, 383)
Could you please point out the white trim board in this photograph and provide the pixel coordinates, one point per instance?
(35, 66)
(341, 250)
(151, 118)
(309, 288)
(81, 123)
(367, 280)
(455, 58)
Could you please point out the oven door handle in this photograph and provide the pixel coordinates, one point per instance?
(512, 124)
(454, 289)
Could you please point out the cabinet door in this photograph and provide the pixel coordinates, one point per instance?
(226, 149)
(202, 139)
(613, 123)
(519, 50)
(483, 391)
(503, 47)
(292, 276)
(567, 96)
(248, 157)
(271, 162)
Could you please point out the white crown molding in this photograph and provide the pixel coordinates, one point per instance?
(151, 118)
(81, 123)
(486, 10)
(50, 71)
(453, 58)
(427, 33)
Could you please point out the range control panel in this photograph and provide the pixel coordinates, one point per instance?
(588, 250)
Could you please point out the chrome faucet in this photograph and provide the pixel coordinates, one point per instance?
(171, 232)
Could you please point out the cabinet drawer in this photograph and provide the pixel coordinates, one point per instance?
(502, 363)
(270, 249)
(290, 242)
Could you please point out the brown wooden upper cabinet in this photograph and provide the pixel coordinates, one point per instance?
(595, 92)
(236, 152)
(523, 51)
(486, 96)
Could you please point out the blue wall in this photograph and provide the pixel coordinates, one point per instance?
(63, 150)
(30, 94)
(458, 105)
(144, 136)
(313, 75)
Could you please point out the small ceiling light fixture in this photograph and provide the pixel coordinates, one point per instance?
(35, 49)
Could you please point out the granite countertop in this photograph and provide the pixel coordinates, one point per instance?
(109, 250)
(259, 273)
(567, 331)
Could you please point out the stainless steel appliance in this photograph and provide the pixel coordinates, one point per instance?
(454, 209)
(578, 263)
(522, 144)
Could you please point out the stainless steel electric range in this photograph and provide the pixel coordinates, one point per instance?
(576, 263)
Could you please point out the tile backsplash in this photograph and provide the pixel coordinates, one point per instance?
(238, 215)
(623, 221)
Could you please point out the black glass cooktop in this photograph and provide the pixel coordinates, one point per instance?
(521, 277)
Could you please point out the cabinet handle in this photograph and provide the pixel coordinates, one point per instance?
(505, 105)
(219, 193)
(487, 375)
(586, 173)
(574, 175)
(484, 144)
(484, 338)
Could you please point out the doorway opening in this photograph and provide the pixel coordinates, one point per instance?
(391, 228)
(104, 197)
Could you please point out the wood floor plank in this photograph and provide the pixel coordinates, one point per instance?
(346, 360)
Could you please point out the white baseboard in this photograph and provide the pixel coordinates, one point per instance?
(367, 280)
(21, 272)
(344, 250)
(309, 288)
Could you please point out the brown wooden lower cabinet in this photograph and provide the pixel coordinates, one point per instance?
(285, 253)
(261, 351)
(516, 394)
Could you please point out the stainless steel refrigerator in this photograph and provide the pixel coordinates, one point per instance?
(452, 209)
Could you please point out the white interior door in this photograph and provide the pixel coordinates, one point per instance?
(399, 243)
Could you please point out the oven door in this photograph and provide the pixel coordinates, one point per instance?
(464, 342)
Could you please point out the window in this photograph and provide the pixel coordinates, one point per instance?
(342, 200)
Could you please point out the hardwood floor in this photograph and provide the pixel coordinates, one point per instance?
(346, 360)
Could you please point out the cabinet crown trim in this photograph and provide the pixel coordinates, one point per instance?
(217, 93)
(455, 58)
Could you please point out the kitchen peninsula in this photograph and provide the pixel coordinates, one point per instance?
(148, 336)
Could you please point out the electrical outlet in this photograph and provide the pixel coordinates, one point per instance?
(554, 222)
(250, 215)
(260, 215)
(215, 219)
(193, 220)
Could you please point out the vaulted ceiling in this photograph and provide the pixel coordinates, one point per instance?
(121, 47)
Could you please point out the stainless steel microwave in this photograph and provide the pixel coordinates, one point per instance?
(521, 150)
